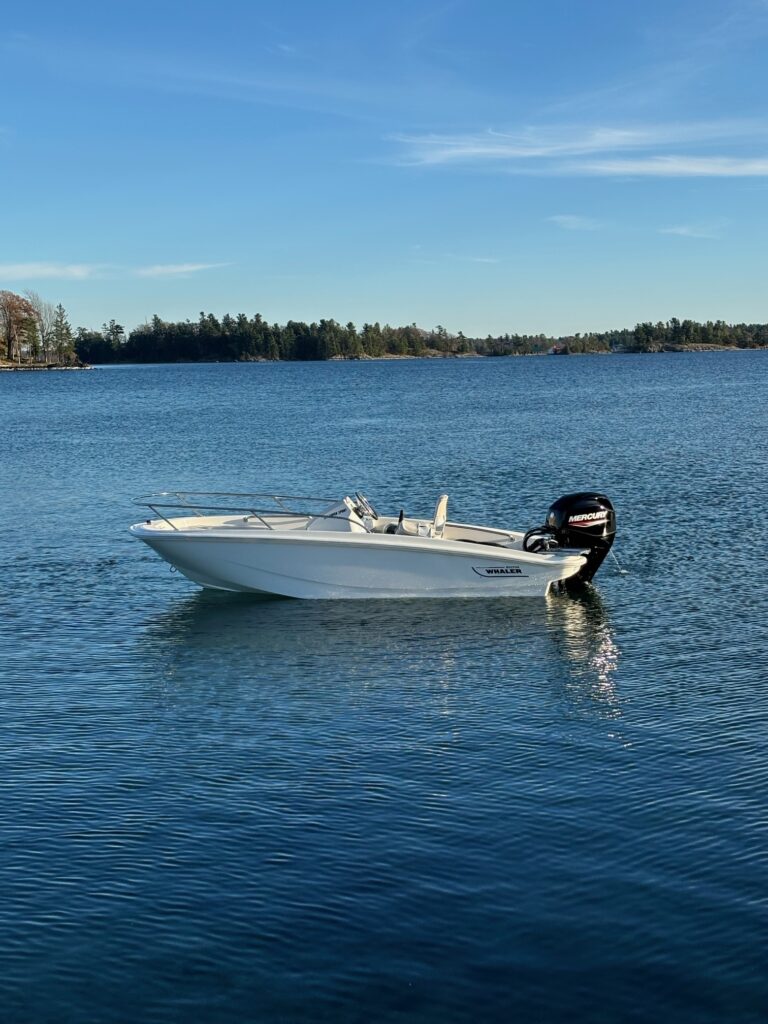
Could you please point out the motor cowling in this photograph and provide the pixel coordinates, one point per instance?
(585, 520)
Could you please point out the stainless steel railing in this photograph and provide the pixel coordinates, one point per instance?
(192, 501)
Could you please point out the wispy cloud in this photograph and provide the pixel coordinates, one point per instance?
(39, 271)
(528, 143)
(573, 222)
(598, 151)
(711, 230)
(176, 269)
(679, 59)
(562, 140)
(289, 75)
(679, 167)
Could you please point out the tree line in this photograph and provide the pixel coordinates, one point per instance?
(35, 331)
(243, 338)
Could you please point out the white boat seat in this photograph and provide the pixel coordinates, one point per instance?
(440, 518)
(410, 528)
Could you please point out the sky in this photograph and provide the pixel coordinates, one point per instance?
(486, 165)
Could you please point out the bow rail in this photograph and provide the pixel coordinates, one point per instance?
(258, 504)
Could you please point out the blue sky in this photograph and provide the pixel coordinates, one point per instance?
(546, 165)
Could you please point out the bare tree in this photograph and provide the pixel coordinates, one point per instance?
(16, 315)
(45, 315)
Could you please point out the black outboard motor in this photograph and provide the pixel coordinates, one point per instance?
(585, 520)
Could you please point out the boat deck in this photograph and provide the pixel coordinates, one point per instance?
(288, 523)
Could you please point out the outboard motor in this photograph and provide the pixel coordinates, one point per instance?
(585, 520)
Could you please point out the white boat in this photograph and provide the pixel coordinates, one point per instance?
(328, 548)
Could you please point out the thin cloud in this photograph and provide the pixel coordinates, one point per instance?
(679, 167)
(573, 222)
(597, 151)
(553, 141)
(691, 57)
(176, 269)
(39, 271)
(287, 78)
(527, 144)
(694, 230)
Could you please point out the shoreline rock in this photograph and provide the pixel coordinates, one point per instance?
(7, 367)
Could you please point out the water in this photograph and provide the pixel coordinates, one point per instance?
(221, 809)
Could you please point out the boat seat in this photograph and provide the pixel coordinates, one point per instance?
(440, 517)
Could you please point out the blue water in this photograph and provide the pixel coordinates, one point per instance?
(220, 809)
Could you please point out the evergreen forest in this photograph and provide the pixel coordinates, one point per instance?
(36, 332)
(240, 338)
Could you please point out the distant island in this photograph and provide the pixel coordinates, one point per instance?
(37, 334)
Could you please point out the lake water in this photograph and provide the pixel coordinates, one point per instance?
(221, 809)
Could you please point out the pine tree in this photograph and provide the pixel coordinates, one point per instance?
(61, 333)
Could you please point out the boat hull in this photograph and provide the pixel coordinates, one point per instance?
(354, 566)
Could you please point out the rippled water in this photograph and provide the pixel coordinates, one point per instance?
(216, 808)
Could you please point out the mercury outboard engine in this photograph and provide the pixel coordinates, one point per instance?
(585, 521)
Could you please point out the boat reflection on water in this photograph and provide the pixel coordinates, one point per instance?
(500, 642)
(582, 632)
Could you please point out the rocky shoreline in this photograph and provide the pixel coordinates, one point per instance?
(8, 367)
(22, 367)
